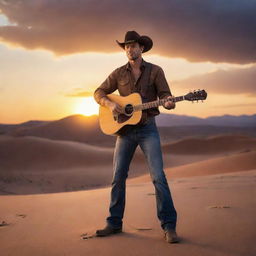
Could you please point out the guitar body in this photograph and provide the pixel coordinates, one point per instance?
(132, 109)
(110, 124)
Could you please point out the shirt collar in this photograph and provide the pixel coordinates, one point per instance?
(142, 65)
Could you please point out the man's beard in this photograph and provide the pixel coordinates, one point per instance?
(134, 57)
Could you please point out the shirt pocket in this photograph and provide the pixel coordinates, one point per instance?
(123, 81)
(124, 87)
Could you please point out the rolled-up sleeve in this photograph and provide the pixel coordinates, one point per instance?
(162, 87)
(107, 87)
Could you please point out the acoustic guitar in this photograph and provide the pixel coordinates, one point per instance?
(132, 107)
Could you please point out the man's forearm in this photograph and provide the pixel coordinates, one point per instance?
(105, 101)
(101, 98)
(113, 106)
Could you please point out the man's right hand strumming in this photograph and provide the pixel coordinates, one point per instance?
(113, 106)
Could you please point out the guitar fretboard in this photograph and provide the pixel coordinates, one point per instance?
(156, 103)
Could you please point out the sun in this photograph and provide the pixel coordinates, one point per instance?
(87, 106)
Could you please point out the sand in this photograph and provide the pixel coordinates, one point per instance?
(213, 189)
(216, 217)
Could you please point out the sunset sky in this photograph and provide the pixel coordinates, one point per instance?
(55, 53)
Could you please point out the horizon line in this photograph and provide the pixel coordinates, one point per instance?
(52, 120)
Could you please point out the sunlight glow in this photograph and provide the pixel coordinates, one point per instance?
(87, 106)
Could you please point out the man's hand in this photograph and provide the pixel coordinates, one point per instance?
(169, 104)
(114, 107)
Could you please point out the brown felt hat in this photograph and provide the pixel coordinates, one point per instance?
(133, 37)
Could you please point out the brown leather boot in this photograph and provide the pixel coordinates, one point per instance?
(171, 236)
(108, 230)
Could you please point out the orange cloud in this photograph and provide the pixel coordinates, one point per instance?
(79, 93)
(217, 31)
(237, 81)
(236, 105)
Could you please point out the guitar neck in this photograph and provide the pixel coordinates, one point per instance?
(154, 104)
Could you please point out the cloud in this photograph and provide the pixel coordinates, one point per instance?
(217, 31)
(236, 105)
(236, 81)
(79, 92)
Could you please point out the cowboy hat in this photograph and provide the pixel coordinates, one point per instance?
(133, 36)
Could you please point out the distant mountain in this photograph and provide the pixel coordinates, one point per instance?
(174, 133)
(163, 120)
(168, 120)
(29, 124)
(235, 121)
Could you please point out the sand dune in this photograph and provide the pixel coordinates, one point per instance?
(73, 128)
(45, 154)
(237, 162)
(38, 165)
(210, 145)
(216, 219)
(27, 153)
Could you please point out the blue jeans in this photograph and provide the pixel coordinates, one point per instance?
(147, 137)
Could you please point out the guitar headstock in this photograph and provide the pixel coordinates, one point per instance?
(196, 95)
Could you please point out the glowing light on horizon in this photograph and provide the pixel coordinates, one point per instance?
(87, 107)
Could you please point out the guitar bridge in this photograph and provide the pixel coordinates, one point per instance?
(116, 117)
(121, 118)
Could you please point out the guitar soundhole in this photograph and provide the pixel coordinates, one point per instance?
(128, 109)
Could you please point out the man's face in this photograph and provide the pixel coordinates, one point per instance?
(133, 51)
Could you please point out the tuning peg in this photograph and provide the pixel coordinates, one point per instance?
(202, 101)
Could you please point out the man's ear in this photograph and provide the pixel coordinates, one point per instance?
(142, 48)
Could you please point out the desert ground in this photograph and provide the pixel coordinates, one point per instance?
(55, 193)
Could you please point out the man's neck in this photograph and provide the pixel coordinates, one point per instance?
(135, 64)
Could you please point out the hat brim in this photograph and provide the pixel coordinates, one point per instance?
(143, 40)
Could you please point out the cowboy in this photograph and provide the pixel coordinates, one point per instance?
(149, 81)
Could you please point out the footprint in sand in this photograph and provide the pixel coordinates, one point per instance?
(196, 187)
(179, 181)
(218, 207)
(86, 236)
(4, 223)
(21, 215)
(143, 229)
